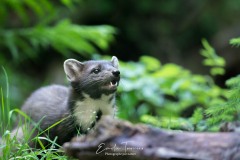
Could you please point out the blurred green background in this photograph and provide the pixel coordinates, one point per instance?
(157, 41)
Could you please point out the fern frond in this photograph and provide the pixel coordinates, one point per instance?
(64, 37)
(212, 60)
(229, 110)
(235, 42)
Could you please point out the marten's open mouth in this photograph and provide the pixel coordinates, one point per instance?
(112, 85)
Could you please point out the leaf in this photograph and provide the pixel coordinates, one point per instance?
(166, 122)
(217, 71)
(65, 37)
(169, 70)
(212, 60)
(35, 6)
(68, 3)
(235, 42)
(10, 42)
(233, 82)
(152, 64)
(197, 116)
(18, 7)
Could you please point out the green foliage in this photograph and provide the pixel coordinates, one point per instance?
(38, 27)
(12, 148)
(164, 91)
(43, 11)
(5, 106)
(212, 60)
(229, 110)
(167, 122)
(235, 41)
(65, 37)
(170, 96)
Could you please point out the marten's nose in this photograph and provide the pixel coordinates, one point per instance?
(116, 73)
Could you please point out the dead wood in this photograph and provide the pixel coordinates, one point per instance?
(118, 139)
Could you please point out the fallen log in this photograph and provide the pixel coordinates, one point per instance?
(118, 139)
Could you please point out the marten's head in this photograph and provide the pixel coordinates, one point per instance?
(95, 77)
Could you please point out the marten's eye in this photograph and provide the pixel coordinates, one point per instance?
(96, 70)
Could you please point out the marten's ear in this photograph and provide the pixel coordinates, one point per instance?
(72, 68)
(115, 62)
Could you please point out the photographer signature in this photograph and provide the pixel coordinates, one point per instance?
(123, 148)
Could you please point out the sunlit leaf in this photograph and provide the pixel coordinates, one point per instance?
(151, 63)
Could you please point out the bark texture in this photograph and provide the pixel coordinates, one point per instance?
(118, 139)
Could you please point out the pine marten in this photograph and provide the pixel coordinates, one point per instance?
(91, 94)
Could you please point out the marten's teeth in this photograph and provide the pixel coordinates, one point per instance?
(113, 83)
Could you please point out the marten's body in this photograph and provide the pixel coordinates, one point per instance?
(90, 95)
